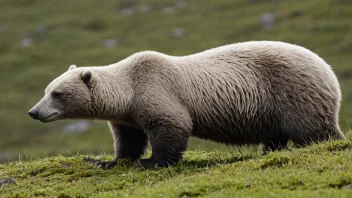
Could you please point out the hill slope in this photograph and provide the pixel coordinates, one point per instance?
(322, 170)
(39, 40)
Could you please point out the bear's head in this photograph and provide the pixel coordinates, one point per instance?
(66, 97)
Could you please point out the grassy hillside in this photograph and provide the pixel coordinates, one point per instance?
(39, 40)
(322, 170)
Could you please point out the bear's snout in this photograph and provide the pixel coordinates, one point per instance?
(33, 113)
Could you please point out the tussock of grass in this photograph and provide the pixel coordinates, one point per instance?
(277, 161)
(320, 170)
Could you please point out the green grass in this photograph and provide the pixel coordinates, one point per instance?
(75, 31)
(320, 170)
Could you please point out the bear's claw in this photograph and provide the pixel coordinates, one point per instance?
(100, 164)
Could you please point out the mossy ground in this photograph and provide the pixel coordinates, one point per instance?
(320, 170)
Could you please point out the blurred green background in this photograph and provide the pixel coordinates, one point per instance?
(39, 39)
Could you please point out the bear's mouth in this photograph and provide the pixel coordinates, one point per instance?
(50, 118)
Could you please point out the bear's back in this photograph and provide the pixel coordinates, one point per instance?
(246, 86)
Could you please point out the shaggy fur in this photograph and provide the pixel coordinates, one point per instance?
(246, 93)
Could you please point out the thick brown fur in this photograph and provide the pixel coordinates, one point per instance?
(246, 93)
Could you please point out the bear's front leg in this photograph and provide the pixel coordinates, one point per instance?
(129, 143)
(168, 127)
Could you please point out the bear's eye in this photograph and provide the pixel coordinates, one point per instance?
(56, 94)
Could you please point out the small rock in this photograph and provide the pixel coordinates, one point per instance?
(127, 11)
(169, 10)
(178, 32)
(145, 8)
(267, 20)
(111, 42)
(27, 42)
(1, 28)
(77, 127)
(41, 29)
(7, 181)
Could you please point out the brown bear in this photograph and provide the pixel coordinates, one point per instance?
(246, 93)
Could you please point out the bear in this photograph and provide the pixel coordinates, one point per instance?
(248, 93)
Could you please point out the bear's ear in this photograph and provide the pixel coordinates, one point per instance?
(86, 77)
(72, 67)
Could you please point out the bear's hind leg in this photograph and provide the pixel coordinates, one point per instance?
(336, 134)
(129, 143)
(320, 135)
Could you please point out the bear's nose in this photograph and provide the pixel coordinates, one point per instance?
(33, 113)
